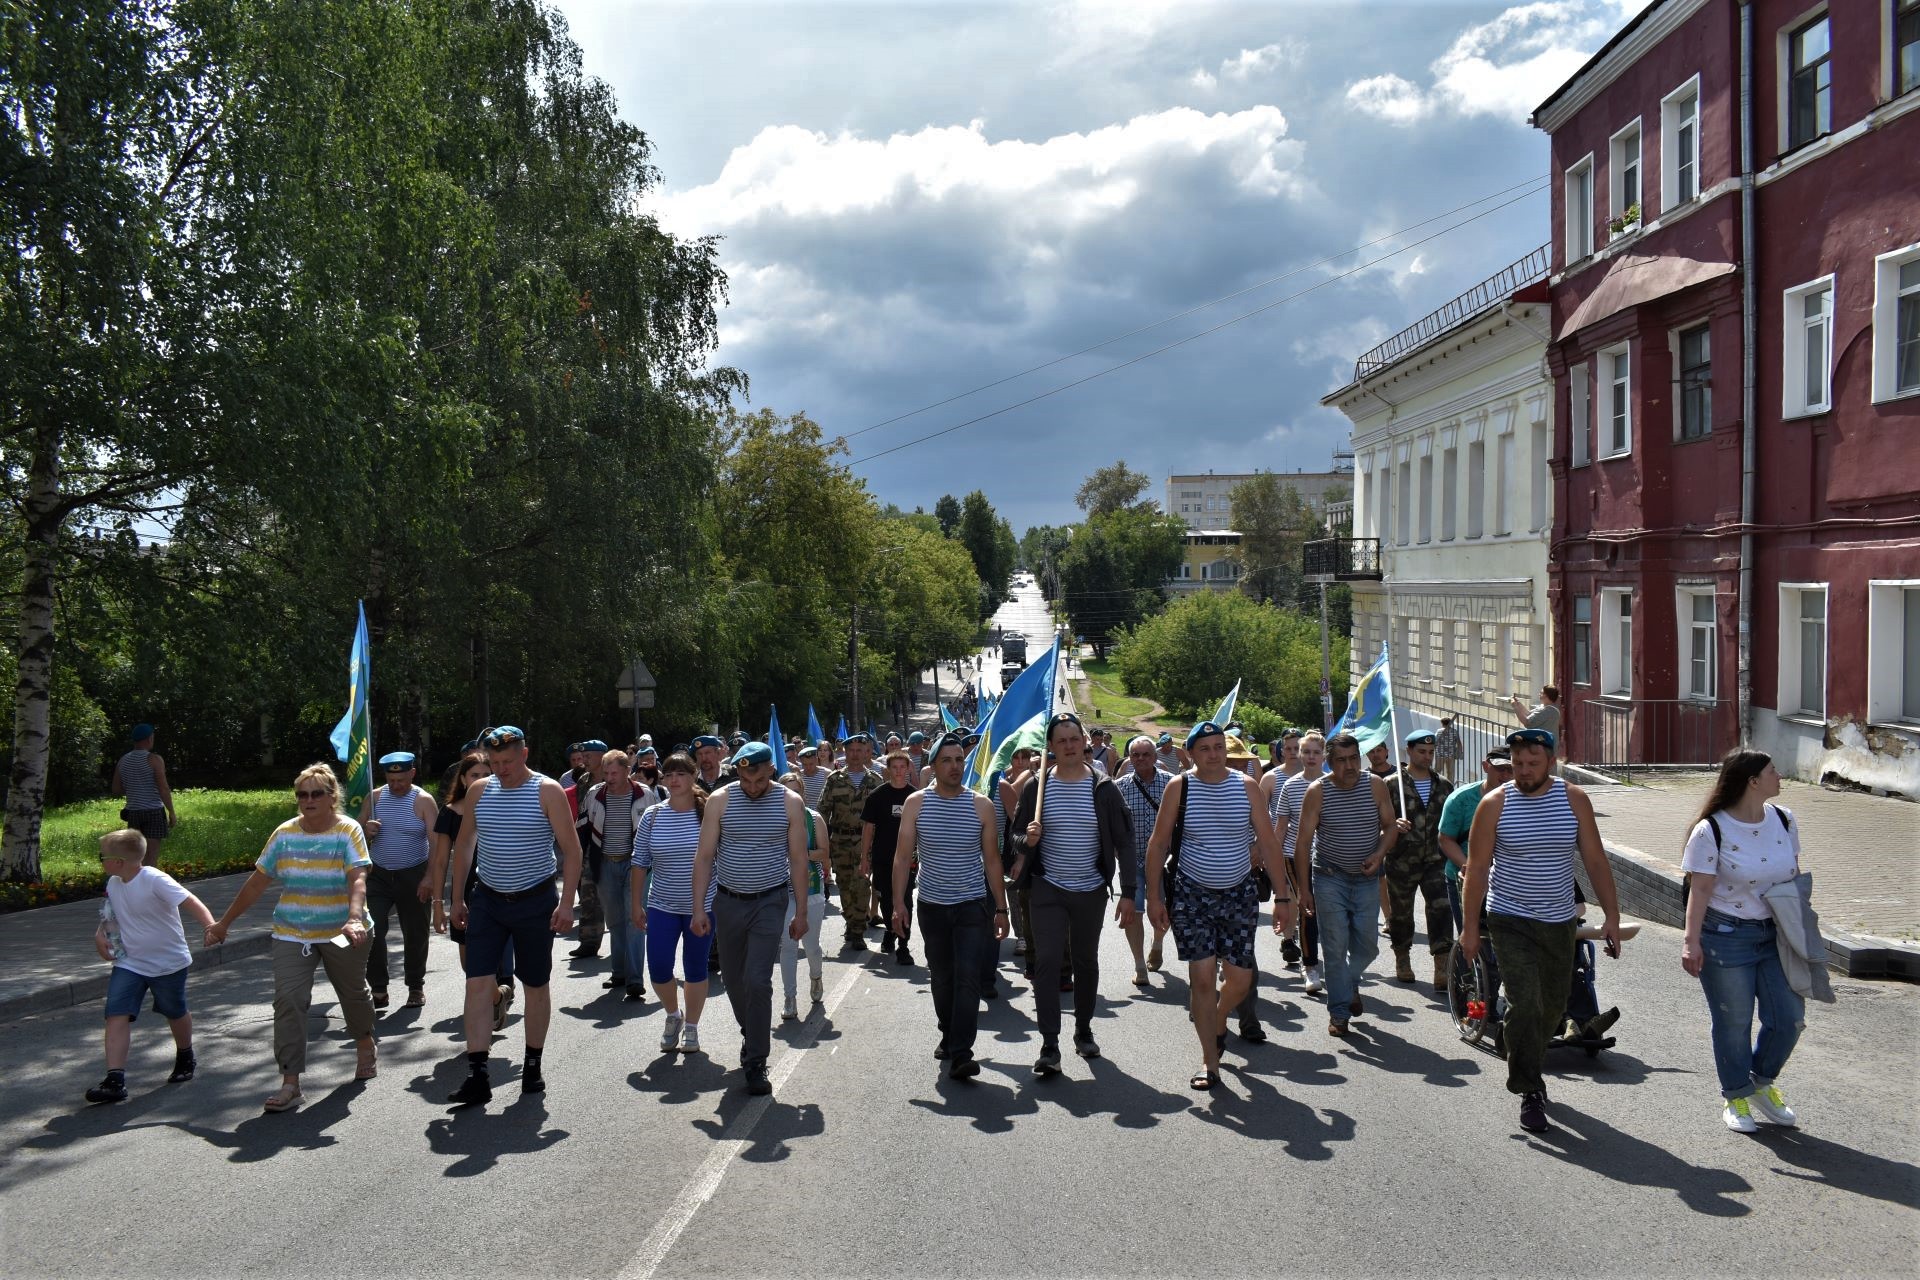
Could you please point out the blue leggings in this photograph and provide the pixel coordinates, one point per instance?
(669, 931)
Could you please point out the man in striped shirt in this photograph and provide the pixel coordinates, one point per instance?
(1520, 853)
(1347, 827)
(809, 780)
(753, 839)
(1142, 784)
(963, 904)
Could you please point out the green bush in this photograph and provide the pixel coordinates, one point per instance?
(1189, 657)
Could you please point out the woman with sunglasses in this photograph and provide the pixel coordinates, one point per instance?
(458, 796)
(662, 905)
(320, 859)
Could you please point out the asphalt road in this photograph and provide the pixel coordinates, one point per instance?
(1393, 1153)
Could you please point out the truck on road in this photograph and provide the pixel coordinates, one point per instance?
(1013, 648)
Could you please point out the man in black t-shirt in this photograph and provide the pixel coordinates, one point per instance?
(879, 840)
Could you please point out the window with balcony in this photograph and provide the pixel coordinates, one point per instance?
(1680, 145)
(1809, 83)
(1893, 652)
(1583, 639)
(1694, 610)
(1896, 323)
(1579, 212)
(1803, 650)
(1616, 402)
(1580, 406)
(1696, 382)
(1906, 46)
(1623, 184)
(1807, 363)
(1616, 642)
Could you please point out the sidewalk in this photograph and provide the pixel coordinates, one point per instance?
(47, 960)
(1863, 851)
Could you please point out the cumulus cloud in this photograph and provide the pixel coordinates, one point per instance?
(1503, 67)
(1249, 63)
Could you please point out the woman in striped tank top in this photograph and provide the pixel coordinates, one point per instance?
(963, 908)
(661, 901)
(1215, 898)
(1525, 837)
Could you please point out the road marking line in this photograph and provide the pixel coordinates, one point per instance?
(706, 1179)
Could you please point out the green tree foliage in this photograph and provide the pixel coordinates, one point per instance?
(990, 542)
(1111, 489)
(1041, 550)
(1112, 570)
(1274, 522)
(947, 512)
(1187, 657)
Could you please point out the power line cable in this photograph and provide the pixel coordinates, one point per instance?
(1194, 337)
(1145, 328)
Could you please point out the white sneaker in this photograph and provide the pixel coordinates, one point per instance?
(1771, 1106)
(818, 991)
(670, 1034)
(1739, 1117)
(690, 1040)
(1316, 979)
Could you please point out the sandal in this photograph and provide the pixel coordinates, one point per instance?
(285, 1098)
(1154, 957)
(368, 1067)
(502, 1006)
(1204, 1080)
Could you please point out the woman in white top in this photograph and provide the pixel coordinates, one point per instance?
(1740, 847)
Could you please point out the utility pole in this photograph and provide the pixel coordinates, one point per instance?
(1326, 664)
(853, 655)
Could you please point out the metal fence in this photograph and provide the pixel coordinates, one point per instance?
(1618, 736)
(1491, 292)
(1338, 559)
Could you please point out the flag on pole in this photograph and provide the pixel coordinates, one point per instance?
(1369, 714)
(1223, 716)
(1019, 718)
(840, 733)
(948, 720)
(777, 741)
(353, 736)
(814, 736)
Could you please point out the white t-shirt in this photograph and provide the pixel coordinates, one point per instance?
(1750, 860)
(147, 911)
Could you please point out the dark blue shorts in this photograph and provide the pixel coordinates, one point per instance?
(668, 932)
(126, 991)
(527, 923)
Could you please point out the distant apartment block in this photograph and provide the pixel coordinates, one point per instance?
(1206, 501)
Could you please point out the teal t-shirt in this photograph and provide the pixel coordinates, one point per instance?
(1456, 818)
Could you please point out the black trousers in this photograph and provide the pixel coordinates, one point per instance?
(389, 892)
(883, 903)
(1065, 921)
(956, 937)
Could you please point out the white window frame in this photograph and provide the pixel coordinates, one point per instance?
(1670, 151)
(1580, 414)
(1891, 45)
(1616, 668)
(1796, 398)
(1578, 232)
(1886, 322)
(1685, 627)
(1608, 362)
(1792, 700)
(1616, 164)
(1886, 649)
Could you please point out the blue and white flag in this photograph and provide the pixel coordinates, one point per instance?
(814, 735)
(1369, 714)
(777, 741)
(1223, 716)
(1022, 711)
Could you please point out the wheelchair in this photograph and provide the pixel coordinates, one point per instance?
(1479, 1010)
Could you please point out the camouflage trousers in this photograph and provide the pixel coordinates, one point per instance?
(1423, 872)
(856, 890)
(591, 917)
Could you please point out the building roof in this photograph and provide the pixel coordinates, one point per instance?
(1633, 279)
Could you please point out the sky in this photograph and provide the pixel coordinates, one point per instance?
(917, 200)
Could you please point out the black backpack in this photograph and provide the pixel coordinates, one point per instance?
(1686, 877)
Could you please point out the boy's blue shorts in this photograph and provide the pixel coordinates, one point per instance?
(126, 991)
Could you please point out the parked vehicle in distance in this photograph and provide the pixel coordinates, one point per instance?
(1009, 672)
(1013, 649)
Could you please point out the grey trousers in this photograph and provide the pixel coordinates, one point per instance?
(747, 938)
(293, 966)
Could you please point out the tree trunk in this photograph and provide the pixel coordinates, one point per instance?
(32, 696)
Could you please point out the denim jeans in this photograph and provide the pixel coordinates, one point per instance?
(624, 941)
(1348, 909)
(1741, 969)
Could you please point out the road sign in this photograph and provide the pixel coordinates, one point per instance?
(636, 676)
(636, 699)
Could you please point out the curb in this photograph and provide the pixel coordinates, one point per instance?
(1649, 887)
(64, 995)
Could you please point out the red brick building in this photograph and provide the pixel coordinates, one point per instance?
(1691, 490)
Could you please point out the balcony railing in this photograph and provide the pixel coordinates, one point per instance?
(1341, 560)
(1620, 735)
(1491, 292)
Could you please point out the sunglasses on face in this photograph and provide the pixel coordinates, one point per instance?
(311, 795)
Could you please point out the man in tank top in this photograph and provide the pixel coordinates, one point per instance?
(1347, 829)
(1526, 835)
(520, 819)
(398, 820)
(753, 840)
(141, 776)
(963, 904)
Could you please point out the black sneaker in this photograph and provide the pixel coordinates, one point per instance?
(637, 995)
(611, 983)
(962, 1069)
(854, 942)
(757, 1083)
(1085, 1046)
(531, 1081)
(1533, 1112)
(940, 1053)
(903, 957)
(1048, 1063)
(111, 1089)
(1253, 1033)
(1290, 953)
(183, 1065)
(473, 1091)
(585, 952)
(990, 992)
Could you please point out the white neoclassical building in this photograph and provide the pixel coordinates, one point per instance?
(1452, 433)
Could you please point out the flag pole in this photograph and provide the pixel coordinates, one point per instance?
(1393, 707)
(1053, 687)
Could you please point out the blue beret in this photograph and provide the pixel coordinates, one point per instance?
(754, 753)
(707, 740)
(860, 737)
(1205, 729)
(140, 732)
(397, 757)
(502, 735)
(916, 738)
(1166, 739)
(593, 744)
(1421, 735)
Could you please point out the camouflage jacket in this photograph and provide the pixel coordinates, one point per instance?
(840, 804)
(1424, 839)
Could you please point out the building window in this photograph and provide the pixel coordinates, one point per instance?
(1476, 488)
(1698, 643)
(1579, 196)
(1616, 643)
(1893, 652)
(1580, 403)
(1437, 654)
(1803, 651)
(1807, 379)
(1696, 382)
(1896, 323)
(1426, 498)
(1403, 499)
(1680, 144)
(1583, 639)
(1616, 402)
(1906, 46)
(1449, 492)
(1411, 629)
(1809, 83)
(1623, 185)
(1503, 487)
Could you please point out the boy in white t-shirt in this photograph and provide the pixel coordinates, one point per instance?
(141, 936)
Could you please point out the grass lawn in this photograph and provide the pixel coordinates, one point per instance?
(218, 832)
(1103, 689)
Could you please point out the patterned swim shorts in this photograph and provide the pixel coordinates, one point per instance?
(1216, 922)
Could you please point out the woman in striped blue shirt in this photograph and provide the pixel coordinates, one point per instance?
(664, 846)
(1520, 855)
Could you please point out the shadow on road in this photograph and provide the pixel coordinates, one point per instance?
(479, 1136)
(1828, 1164)
(987, 1105)
(772, 1134)
(1583, 1141)
(1384, 1049)
(1264, 1113)
(679, 1077)
(609, 1010)
(267, 1135)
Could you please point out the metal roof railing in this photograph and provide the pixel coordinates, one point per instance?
(1489, 293)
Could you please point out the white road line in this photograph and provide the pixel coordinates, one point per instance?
(706, 1179)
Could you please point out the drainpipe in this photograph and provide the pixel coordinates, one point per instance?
(1749, 376)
